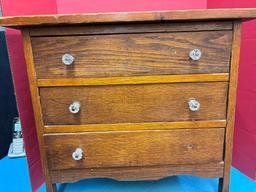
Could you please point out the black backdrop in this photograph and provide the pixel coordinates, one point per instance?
(8, 108)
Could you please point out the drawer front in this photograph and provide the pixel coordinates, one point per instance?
(138, 148)
(133, 103)
(132, 54)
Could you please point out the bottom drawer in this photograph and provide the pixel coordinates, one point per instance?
(134, 148)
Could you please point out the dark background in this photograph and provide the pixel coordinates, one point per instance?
(8, 109)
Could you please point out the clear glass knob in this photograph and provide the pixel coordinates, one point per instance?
(195, 54)
(74, 107)
(77, 154)
(67, 59)
(193, 105)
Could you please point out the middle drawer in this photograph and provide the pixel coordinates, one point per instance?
(134, 103)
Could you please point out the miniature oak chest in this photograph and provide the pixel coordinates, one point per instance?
(133, 96)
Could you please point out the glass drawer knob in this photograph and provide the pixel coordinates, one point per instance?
(195, 54)
(74, 107)
(77, 154)
(193, 105)
(67, 59)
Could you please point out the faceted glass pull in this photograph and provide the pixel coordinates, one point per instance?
(68, 59)
(195, 54)
(193, 105)
(77, 154)
(74, 107)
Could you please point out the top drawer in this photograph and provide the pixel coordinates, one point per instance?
(132, 54)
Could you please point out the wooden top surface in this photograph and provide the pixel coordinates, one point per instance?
(121, 17)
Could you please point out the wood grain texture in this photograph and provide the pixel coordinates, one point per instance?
(135, 148)
(36, 107)
(59, 82)
(133, 78)
(134, 103)
(131, 28)
(146, 16)
(231, 105)
(211, 170)
(132, 55)
(134, 126)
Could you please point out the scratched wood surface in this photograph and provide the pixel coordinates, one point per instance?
(135, 80)
(208, 170)
(135, 126)
(128, 28)
(135, 148)
(116, 57)
(134, 103)
(132, 55)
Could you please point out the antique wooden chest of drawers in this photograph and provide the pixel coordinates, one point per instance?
(133, 96)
